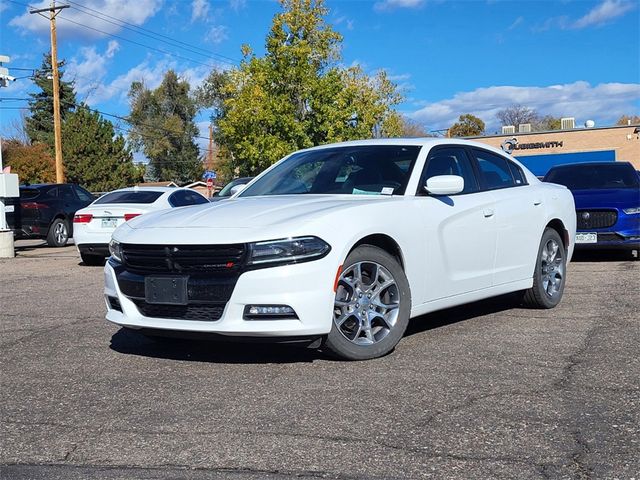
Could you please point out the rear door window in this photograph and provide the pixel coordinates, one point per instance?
(130, 196)
(83, 194)
(494, 170)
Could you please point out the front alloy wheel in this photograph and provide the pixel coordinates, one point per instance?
(366, 304)
(371, 306)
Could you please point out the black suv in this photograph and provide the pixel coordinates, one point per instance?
(46, 211)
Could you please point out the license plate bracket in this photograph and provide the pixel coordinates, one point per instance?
(587, 237)
(166, 290)
(109, 222)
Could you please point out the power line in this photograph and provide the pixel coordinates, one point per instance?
(150, 33)
(124, 39)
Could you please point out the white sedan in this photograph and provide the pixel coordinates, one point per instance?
(94, 224)
(340, 245)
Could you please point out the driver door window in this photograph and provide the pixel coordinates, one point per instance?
(449, 161)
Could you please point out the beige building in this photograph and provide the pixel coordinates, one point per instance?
(539, 151)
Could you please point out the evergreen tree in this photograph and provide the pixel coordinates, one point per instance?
(94, 156)
(164, 129)
(39, 123)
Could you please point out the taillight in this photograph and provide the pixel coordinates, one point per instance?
(129, 216)
(82, 218)
(33, 205)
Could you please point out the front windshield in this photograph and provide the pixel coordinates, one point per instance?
(586, 177)
(360, 170)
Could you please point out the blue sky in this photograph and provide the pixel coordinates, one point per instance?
(563, 58)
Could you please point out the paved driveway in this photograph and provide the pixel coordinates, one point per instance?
(489, 390)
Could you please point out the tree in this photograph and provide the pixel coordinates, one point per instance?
(547, 123)
(629, 120)
(94, 156)
(32, 163)
(164, 129)
(516, 115)
(297, 95)
(411, 129)
(467, 126)
(39, 123)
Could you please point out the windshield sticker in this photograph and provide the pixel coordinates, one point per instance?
(357, 191)
(387, 191)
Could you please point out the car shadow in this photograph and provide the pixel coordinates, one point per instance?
(604, 256)
(130, 342)
(449, 316)
(217, 350)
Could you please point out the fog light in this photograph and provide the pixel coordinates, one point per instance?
(256, 312)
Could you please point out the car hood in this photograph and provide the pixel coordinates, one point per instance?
(253, 212)
(607, 198)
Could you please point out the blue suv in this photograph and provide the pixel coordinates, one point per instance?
(607, 197)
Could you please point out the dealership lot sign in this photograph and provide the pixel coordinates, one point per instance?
(511, 144)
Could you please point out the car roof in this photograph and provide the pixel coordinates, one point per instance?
(420, 142)
(150, 189)
(591, 164)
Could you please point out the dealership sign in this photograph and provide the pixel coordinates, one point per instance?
(512, 144)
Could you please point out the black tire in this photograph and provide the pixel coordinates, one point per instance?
(92, 260)
(58, 234)
(549, 277)
(372, 327)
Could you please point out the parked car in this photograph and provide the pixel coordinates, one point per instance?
(227, 192)
(342, 244)
(95, 223)
(46, 211)
(607, 197)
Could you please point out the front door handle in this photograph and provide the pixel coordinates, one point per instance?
(537, 202)
(488, 212)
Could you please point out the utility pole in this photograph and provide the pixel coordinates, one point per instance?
(210, 156)
(57, 127)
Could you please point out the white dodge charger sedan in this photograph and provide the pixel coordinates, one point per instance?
(341, 244)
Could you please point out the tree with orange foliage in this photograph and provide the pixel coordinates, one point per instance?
(32, 163)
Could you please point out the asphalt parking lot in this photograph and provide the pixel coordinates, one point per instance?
(489, 390)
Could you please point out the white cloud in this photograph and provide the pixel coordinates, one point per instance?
(216, 34)
(384, 5)
(516, 23)
(199, 10)
(136, 13)
(606, 11)
(112, 48)
(151, 72)
(237, 5)
(604, 103)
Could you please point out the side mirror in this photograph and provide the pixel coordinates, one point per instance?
(444, 185)
(237, 188)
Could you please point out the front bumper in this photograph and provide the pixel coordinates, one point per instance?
(306, 287)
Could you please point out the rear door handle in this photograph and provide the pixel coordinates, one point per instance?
(488, 212)
(537, 202)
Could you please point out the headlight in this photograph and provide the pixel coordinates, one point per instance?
(115, 249)
(287, 250)
(630, 211)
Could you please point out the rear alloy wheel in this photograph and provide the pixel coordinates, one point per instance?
(58, 233)
(371, 307)
(550, 273)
